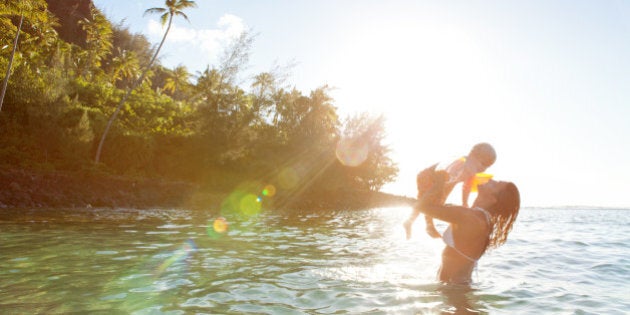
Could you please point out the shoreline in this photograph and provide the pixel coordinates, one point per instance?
(24, 188)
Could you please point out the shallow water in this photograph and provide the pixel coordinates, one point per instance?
(556, 261)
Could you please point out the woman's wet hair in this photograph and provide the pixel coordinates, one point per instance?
(504, 213)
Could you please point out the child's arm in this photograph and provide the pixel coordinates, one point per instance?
(466, 188)
(446, 213)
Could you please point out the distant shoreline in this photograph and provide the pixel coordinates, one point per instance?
(574, 208)
(53, 189)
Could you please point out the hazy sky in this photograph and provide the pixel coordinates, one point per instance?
(546, 82)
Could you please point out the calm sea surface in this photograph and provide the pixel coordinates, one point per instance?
(556, 261)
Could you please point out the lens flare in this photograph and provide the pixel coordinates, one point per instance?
(351, 152)
(220, 225)
(217, 228)
(178, 255)
(288, 178)
(269, 191)
(250, 205)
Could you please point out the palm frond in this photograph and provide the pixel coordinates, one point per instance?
(164, 18)
(184, 4)
(182, 14)
(154, 11)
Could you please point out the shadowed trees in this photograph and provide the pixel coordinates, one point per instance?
(218, 128)
(34, 11)
(173, 8)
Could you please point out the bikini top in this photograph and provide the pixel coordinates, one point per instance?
(448, 239)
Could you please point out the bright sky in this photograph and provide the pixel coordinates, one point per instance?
(546, 82)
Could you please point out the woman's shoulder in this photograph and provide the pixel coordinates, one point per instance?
(473, 219)
(484, 212)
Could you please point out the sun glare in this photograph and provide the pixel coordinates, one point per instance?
(433, 84)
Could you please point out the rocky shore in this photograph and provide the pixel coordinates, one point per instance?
(38, 189)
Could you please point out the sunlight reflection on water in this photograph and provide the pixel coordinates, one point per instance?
(165, 261)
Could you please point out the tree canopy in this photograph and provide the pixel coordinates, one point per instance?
(174, 124)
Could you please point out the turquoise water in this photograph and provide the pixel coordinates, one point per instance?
(556, 261)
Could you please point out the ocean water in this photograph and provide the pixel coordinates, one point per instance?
(104, 261)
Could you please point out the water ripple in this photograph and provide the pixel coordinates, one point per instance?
(164, 261)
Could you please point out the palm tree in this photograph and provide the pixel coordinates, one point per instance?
(173, 8)
(98, 39)
(178, 79)
(125, 66)
(29, 10)
(40, 32)
(6, 78)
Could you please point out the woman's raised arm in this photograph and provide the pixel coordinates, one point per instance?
(446, 213)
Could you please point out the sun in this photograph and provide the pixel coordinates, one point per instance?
(433, 85)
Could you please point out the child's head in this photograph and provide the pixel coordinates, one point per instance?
(484, 154)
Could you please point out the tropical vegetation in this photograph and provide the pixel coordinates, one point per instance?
(93, 96)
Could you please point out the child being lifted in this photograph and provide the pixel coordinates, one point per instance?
(462, 170)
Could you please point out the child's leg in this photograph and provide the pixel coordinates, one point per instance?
(424, 181)
(430, 227)
(438, 180)
(409, 222)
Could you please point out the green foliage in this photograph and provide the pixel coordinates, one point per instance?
(126, 42)
(173, 8)
(365, 132)
(98, 42)
(211, 130)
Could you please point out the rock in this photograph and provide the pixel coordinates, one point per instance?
(15, 186)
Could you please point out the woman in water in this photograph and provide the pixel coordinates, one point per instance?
(472, 231)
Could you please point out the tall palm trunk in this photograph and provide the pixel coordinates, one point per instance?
(97, 158)
(6, 78)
